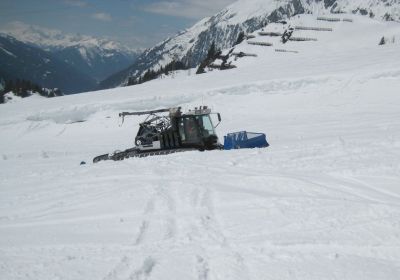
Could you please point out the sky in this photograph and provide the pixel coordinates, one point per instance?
(137, 23)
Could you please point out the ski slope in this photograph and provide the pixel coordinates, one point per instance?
(322, 202)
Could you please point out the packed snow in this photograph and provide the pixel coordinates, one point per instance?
(322, 202)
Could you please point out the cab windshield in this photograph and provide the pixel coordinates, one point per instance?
(193, 128)
(206, 125)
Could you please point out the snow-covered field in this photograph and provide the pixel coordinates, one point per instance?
(322, 202)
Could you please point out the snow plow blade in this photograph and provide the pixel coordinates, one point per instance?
(245, 140)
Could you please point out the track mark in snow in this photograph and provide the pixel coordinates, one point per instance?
(62, 130)
(379, 191)
(171, 228)
(353, 188)
(159, 218)
(142, 231)
(204, 224)
(144, 271)
(204, 228)
(208, 220)
(35, 126)
(157, 225)
(202, 268)
(124, 270)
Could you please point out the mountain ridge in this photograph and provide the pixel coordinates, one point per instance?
(191, 45)
(23, 61)
(96, 57)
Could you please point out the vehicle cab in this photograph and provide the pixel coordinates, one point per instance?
(196, 129)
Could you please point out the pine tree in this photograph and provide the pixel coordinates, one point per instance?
(240, 38)
(152, 74)
(211, 51)
(211, 56)
(9, 86)
(24, 88)
(2, 90)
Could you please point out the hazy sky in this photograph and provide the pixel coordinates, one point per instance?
(139, 23)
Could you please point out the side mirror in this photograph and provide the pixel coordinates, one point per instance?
(219, 120)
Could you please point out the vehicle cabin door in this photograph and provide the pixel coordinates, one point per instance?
(189, 130)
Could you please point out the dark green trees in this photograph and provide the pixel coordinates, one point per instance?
(211, 56)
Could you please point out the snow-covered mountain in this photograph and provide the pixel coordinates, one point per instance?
(24, 61)
(191, 45)
(96, 57)
(322, 202)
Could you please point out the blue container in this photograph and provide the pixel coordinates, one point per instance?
(245, 140)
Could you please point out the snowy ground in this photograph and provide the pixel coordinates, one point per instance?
(322, 202)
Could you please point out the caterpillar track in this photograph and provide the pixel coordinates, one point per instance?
(135, 152)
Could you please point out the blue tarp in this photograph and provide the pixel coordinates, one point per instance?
(244, 139)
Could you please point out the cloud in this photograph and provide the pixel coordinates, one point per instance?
(192, 9)
(76, 3)
(102, 17)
